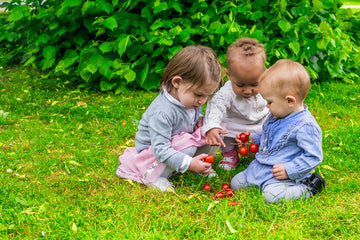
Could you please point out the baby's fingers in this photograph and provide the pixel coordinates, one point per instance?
(200, 157)
(223, 132)
(211, 142)
(220, 141)
(206, 171)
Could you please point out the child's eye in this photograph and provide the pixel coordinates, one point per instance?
(198, 95)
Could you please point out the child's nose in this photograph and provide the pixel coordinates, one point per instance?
(203, 100)
(247, 90)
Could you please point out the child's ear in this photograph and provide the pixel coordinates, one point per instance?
(176, 81)
(291, 100)
(227, 72)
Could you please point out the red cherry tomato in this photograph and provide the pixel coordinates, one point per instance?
(243, 151)
(243, 137)
(254, 147)
(229, 192)
(233, 203)
(225, 186)
(209, 159)
(219, 195)
(207, 187)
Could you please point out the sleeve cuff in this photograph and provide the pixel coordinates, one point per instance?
(291, 171)
(185, 164)
(256, 138)
(207, 128)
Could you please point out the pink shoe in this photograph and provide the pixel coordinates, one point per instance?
(230, 160)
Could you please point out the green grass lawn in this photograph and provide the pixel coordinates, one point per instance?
(59, 150)
(355, 2)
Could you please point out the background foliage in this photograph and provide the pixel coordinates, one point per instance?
(108, 44)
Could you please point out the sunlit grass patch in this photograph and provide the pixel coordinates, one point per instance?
(60, 147)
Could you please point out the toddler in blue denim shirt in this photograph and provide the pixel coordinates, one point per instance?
(290, 145)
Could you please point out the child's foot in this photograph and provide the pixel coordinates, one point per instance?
(230, 160)
(227, 163)
(162, 184)
(315, 183)
(212, 174)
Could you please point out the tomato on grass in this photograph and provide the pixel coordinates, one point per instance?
(254, 148)
(229, 192)
(233, 203)
(243, 151)
(207, 187)
(219, 195)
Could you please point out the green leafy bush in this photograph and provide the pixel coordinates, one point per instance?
(108, 44)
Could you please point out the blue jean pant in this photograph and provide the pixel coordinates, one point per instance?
(274, 192)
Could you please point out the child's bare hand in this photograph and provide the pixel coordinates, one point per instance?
(279, 172)
(200, 123)
(213, 137)
(241, 143)
(198, 165)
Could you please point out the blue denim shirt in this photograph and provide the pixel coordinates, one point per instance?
(295, 141)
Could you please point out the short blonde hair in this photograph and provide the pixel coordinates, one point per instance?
(245, 49)
(289, 77)
(195, 65)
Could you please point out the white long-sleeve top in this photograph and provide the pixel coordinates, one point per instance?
(235, 114)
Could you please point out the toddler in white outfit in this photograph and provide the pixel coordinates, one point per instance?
(237, 106)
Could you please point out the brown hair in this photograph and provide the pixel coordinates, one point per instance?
(289, 77)
(194, 64)
(245, 49)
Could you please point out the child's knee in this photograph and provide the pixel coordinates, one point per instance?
(270, 197)
(237, 182)
(274, 193)
(204, 149)
(235, 185)
(189, 151)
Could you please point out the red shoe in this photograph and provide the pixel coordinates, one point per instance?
(230, 160)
